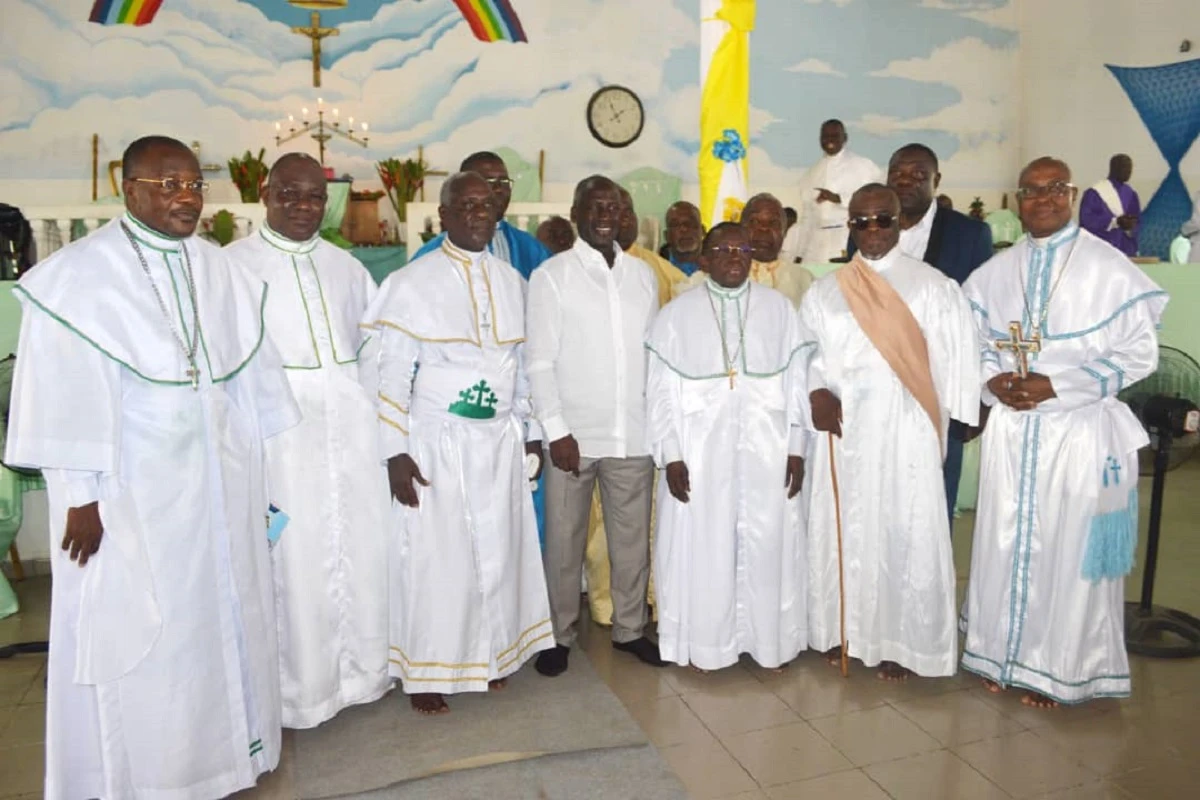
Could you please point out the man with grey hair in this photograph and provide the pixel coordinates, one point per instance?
(467, 591)
(765, 222)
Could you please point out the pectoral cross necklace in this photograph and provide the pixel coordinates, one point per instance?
(188, 348)
(1016, 342)
(730, 360)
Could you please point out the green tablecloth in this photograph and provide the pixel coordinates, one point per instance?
(381, 261)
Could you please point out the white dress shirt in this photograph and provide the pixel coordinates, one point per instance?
(585, 328)
(915, 241)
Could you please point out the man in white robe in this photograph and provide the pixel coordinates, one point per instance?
(331, 566)
(825, 195)
(725, 409)
(145, 387)
(895, 359)
(1056, 524)
(468, 595)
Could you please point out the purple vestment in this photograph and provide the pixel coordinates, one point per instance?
(1097, 218)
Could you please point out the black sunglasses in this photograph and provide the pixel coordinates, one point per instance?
(883, 221)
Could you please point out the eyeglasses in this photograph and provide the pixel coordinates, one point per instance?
(175, 185)
(472, 206)
(291, 197)
(1056, 189)
(882, 220)
(743, 250)
(498, 183)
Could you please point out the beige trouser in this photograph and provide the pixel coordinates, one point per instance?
(595, 561)
(625, 491)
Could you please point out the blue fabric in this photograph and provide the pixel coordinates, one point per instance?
(527, 255)
(952, 471)
(1112, 542)
(527, 252)
(1166, 99)
(686, 267)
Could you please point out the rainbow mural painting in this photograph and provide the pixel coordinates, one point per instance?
(124, 12)
(492, 20)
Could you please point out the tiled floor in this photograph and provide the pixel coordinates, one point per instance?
(808, 733)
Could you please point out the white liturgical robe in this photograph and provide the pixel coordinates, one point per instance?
(468, 594)
(898, 565)
(163, 673)
(330, 565)
(729, 565)
(1056, 525)
(823, 231)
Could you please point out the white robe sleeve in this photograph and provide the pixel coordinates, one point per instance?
(397, 365)
(796, 381)
(65, 416)
(664, 388)
(270, 394)
(1133, 355)
(957, 336)
(543, 324)
(814, 363)
(523, 399)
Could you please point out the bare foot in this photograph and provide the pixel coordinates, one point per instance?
(429, 704)
(834, 656)
(891, 671)
(992, 686)
(1035, 700)
(497, 685)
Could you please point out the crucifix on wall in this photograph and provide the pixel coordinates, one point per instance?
(315, 32)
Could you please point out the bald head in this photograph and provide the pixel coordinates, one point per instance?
(149, 148)
(596, 212)
(296, 196)
(556, 234)
(875, 220)
(172, 208)
(1043, 164)
(468, 211)
(1045, 196)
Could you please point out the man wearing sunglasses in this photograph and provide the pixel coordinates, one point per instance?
(507, 243)
(1066, 322)
(943, 238)
(144, 390)
(331, 565)
(725, 420)
(895, 357)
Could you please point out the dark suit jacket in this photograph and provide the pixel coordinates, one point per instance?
(958, 245)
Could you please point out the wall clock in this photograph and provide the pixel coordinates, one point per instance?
(615, 116)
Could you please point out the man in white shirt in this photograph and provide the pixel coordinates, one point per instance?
(825, 193)
(589, 311)
(330, 567)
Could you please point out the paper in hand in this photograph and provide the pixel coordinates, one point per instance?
(276, 522)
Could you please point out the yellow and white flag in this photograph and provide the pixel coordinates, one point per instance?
(725, 27)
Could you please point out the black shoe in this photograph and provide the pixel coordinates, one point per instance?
(552, 662)
(644, 649)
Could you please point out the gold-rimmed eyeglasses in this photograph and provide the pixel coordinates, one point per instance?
(1055, 189)
(175, 185)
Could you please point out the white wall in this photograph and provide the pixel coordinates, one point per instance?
(1072, 106)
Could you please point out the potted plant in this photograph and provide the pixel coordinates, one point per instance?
(976, 211)
(402, 180)
(249, 174)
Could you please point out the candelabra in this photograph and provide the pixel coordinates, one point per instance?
(321, 130)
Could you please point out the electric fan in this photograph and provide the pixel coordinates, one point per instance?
(1166, 403)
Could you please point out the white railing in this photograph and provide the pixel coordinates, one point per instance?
(526, 216)
(52, 225)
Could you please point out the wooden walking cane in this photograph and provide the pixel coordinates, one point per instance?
(837, 508)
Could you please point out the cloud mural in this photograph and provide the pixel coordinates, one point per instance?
(224, 71)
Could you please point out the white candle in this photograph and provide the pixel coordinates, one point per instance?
(335, 113)
(291, 118)
(320, 102)
(304, 112)
(364, 127)
(352, 122)
(278, 127)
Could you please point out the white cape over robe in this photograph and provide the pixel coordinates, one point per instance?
(1052, 476)
(468, 594)
(330, 564)
(729, 565)
(899, 569)
(163, 673)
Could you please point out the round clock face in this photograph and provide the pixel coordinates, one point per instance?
(615, 116)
